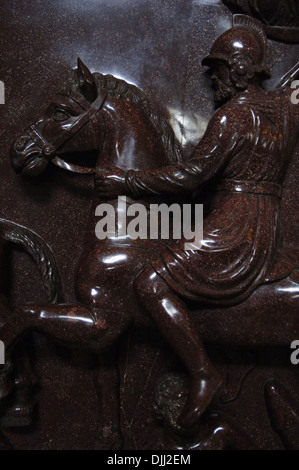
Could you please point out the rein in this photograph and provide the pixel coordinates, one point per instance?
(49, 149)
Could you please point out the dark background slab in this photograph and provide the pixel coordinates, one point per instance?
(157, 45)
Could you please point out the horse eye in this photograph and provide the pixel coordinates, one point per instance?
(60, 115)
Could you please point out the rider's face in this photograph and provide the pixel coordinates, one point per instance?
(222, 83)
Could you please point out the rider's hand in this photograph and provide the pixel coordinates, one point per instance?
(110, 182)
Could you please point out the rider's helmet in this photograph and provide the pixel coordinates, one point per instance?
(243, 47)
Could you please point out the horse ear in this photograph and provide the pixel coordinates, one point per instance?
(87, 82)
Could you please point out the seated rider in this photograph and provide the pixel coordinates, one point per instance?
(248, 146)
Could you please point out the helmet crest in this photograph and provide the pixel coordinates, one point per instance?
(246, 42)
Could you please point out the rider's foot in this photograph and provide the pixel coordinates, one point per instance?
(202, 390)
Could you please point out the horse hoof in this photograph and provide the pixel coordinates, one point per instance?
(17, 416)
(201, 394)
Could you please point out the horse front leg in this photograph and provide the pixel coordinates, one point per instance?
(77, 326)
(73, 325)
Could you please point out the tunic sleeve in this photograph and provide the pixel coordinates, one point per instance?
(221, 141)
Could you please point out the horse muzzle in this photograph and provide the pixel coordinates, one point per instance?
(28, 158)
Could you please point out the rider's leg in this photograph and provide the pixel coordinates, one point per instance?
(174, 321)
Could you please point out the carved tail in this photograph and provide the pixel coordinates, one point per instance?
(40, 252)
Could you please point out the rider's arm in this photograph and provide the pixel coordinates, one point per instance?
(222, 139)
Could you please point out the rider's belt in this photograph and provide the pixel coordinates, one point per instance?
(252, 187)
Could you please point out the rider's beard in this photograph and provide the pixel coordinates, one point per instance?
(224, 91)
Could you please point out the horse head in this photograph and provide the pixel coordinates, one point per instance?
(89, 109)
(66, 126)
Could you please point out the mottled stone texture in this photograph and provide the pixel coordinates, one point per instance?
(157, 45)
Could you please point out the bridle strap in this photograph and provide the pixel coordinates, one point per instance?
(49, 149)
(72, 167)
(82, 120)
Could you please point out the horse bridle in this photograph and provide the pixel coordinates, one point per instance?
(49, 150)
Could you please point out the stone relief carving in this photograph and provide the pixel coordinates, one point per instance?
(230, 265)
(213, 293)
(109, 115)
(17, 379)
(280, 17)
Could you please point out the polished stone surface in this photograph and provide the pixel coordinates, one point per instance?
(157, 45)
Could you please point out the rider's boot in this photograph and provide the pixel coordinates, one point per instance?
(173, 320)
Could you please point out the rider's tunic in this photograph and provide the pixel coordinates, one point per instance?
(247, 147)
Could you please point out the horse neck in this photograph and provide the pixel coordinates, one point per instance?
(130, 140)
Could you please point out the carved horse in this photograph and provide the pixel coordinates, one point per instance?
(97, 112)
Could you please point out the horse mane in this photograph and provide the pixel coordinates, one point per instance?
(119, 88)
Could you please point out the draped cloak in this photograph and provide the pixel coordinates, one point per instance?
(247, 147)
